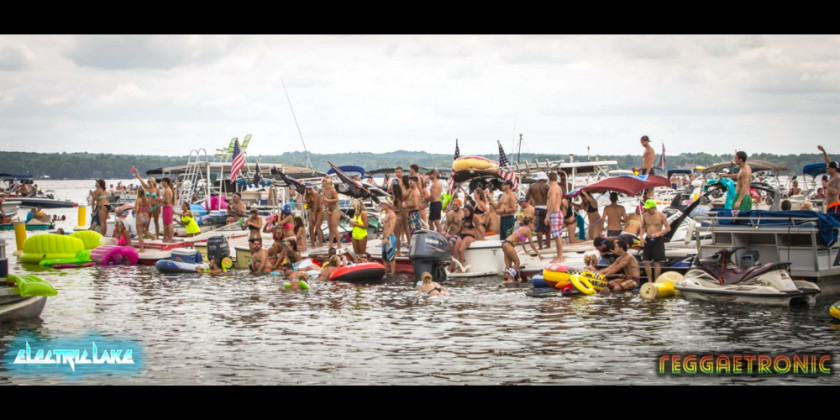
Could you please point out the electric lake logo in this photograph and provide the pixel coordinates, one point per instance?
(688, 364)
(89, 354)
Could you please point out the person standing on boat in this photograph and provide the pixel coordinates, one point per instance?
(506, 208)
(743, 199)
(153, 197)
(435, 205)
(832, 185)
(655, 227)
(519, 236)
(537, 195)
(647, 158)
(142, 218)
(468, 234)
(360, 227)
(412, 205)
(414, 171)
(596, 221)
(316, 215)
(615, 216)
(101, 208)
(168, 210)
(332, 211)
(554, 217)
(389, 239)
(452, 226)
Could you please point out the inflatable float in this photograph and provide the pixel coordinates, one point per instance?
(363, 272)
(835, 310)
(588, 282)
(82, 259)
(182, 261)
(663, 287)
(29, 285)
(114, 254)
(50, 246)
(475, 164)
(559, 275)
(90, 238)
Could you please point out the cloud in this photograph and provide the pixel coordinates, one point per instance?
(164, 52)
(12, 58)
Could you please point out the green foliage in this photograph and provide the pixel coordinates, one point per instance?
(90, 166)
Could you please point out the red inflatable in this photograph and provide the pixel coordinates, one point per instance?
(364, 272)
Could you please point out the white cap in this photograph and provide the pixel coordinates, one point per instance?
(541, 176)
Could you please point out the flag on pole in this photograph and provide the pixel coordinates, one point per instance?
(662, 157)
(257, 175)
(457, 151)
(503, 168)
(452, 183)
(238, 161)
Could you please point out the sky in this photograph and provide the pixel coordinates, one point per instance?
(169, 94)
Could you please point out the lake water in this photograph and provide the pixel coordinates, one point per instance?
(244, 329)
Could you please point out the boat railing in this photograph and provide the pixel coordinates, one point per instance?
(759, 221)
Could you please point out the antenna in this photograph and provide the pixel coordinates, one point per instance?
(308, 161)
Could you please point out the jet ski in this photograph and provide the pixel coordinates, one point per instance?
(717, 278)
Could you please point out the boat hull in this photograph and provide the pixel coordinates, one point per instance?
(22, 308)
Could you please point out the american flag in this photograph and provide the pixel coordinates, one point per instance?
(452, 183)
(662, 156)
(238, 161)
(503, 164)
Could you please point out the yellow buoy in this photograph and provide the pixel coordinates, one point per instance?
(657, 290)
(20, 236)
(672, 277)
(82, 216)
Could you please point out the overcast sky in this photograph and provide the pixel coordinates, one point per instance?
(169, 94)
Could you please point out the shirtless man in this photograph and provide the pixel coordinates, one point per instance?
(259, 257)
(168, 210)
(236, 209)
(615, 216)
(832, 185)
(743, 200)
(626, 264)
(452, 227)
(414, 171)
(314, 203)
(554, 218)
(537, 195)
(398, 173)
(647, 158)
(656, 225)
(435, 205)
(412, 204)
(389, 239)
(506, 208)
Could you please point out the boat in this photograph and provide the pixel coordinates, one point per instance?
(35, 197)
(31, 225)
(808, 240)
(14, 307)
(717, 278)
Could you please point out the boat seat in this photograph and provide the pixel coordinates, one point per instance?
(737, 275)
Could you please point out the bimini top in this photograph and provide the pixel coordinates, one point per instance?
(815, 169)
(627, 184)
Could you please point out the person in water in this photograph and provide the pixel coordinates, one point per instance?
(259, 257)
(429, 287)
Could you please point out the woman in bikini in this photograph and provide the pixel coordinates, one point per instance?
(141, 217)
(479, 211)
(397, 206)
(429, 287)
(333, 213)
(101, 207)
(569, 220)
(596, 224)
(121, 233)
(153, 199)
(519, 236)
(469, 230)
(300, 234)
(492, 220)
(316, 215)
(254, 224)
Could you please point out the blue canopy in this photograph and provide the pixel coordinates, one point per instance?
(827, 223)
(815, 169)
(349, 168)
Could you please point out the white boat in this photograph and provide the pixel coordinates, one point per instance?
(13, 306)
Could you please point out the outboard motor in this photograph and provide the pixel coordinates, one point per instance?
(217, 247)
(429, 253)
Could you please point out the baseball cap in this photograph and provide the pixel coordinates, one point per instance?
(541, 176)
(834, 164)
(508, 182)
(650, 204)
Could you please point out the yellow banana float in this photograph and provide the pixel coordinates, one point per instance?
(476, 164)
(588, 282)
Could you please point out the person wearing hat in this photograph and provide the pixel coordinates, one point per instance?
(655, 227)
(389, 239)
(647, 158)
(527, 210)
(510, 276)
(537, 196)
(832, 185)
(314, 203)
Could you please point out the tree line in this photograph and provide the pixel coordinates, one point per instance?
(99, 165)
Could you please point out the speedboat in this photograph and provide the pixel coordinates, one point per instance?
(717, 278)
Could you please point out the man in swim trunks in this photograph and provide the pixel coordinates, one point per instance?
(259, 257)
(626, 264)
(506, 208)
(412, 203)
(314, 203)
(389, 239)
(647, 157)
(655, 227)
(452, 227)
(168, 210)
(615, 216)
(435, 205)
(554, 218)
(414, 171)
(831, 186)
(537, 195)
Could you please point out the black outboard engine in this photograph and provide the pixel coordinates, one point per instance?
(429, 253)
(217, 247)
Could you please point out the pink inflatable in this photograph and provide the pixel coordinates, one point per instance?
(215, 203)
(114, 254)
